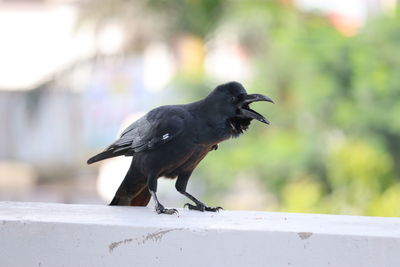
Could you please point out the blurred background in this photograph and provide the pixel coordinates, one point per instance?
(73, 73)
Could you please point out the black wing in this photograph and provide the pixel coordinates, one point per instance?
(157, 127)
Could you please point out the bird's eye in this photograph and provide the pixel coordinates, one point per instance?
(233, 99)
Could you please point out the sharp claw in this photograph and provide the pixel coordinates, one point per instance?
(161, 209)
(202, 208)
(170, 212)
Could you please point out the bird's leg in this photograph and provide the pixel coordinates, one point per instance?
(152, 184)
(181, 184)
(200, 206)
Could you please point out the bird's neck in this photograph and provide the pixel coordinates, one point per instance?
(210, 111)
(212, 125)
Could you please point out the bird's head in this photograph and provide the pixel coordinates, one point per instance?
(233, 101)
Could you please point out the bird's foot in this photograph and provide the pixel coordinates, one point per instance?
(202, 207)
(160, 209)
(214, 209)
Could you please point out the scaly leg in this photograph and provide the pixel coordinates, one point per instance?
(152, 183)
(181, 185)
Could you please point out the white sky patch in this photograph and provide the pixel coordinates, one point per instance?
(225, 59)
(158, 67)
(350, 8)
(111, 39)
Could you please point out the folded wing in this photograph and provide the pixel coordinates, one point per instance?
(154, 129)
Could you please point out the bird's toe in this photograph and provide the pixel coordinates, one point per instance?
(161, 209)
(170, 211)
(194, 207)
(213, 209)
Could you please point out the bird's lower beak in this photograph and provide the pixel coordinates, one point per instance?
(248, 113)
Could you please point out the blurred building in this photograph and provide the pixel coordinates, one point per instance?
(64, 91)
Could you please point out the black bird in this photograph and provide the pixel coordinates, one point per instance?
(171, 140)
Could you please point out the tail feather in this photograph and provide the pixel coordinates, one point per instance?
(142, 198)
(114, 201)
(105, 155)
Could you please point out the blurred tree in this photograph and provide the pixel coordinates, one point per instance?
(335, 121)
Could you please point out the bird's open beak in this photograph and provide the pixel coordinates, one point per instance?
(247, 112)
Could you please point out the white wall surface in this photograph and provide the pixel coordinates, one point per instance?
(44, 234)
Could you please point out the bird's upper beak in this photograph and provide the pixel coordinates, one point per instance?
(248, 99)
(246, 112)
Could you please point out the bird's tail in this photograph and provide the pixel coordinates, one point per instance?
(138, 198)
(105, 155)
(115, 201)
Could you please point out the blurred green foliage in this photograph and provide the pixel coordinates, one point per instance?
(334, 142)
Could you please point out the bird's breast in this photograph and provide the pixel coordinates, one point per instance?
(188, 161)
(172, 158)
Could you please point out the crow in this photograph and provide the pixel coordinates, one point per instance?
(170, 141)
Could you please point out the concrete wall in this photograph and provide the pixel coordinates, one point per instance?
(42, 234)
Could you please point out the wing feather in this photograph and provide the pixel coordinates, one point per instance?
(158, 127)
